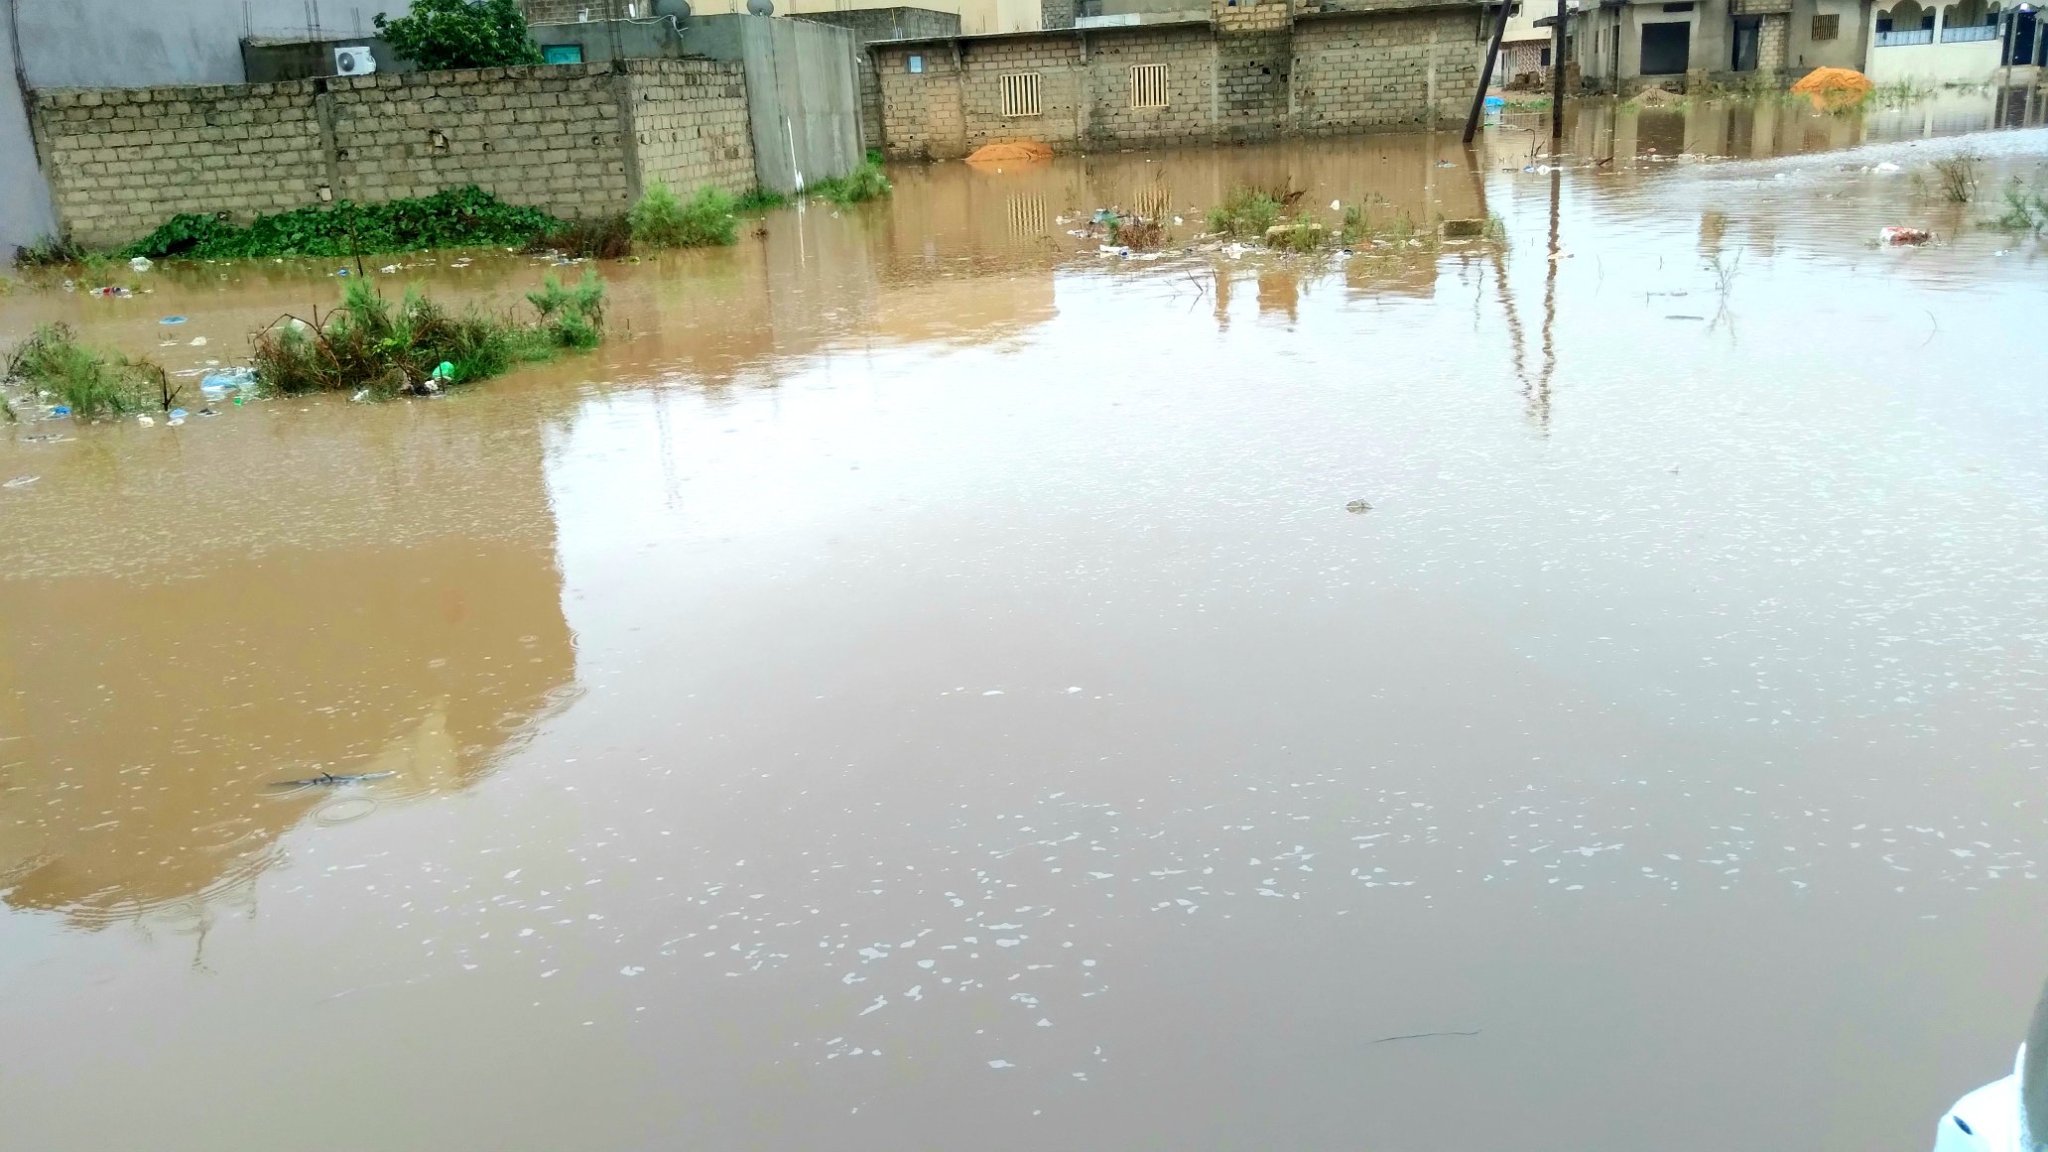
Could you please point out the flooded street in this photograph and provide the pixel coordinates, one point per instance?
(920, 685)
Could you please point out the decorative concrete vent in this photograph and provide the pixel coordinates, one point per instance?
(1020, 93)
(1148, 85)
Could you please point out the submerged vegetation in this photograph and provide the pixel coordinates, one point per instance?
(54, 368)
(663, 220)
(460, 218)
(1958, 174)
(1273, 218)
(1246, 211)
(867, 182)
(372, 347)
(2025, 210)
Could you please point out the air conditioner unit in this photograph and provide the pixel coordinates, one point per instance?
(354, 60)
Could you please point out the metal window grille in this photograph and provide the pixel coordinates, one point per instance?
(1827, 27)
(1148, 86)
(1020, 93)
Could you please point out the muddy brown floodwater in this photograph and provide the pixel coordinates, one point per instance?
(920, 685)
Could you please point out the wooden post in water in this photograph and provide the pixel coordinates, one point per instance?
(1557, 79)
(1500, 27)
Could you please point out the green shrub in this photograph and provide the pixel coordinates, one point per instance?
(60, 370)
(660, 220)
(605, 238)
(867, 182)
(49, 252)
(440, 34)
(2025, 211)
(759, 200)
(458, 218)
(1245, 211)
(367, 344)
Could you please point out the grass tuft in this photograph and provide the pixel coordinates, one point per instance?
(1958, 175)
(458, 218)
(57, 369)
(370, 345)
(663, 220)
(867, 182)
(1246, 211)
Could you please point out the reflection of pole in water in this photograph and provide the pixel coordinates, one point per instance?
(1516, 341)
(1539, 398)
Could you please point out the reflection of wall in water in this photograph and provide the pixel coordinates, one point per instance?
(401, 611)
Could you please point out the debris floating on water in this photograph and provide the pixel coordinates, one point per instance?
(1358, 506)
(329, 779)
(1900, 234)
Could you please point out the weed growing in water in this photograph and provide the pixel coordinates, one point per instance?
(605, 238)
(368, 344)
(662, 220)
(2025, 210)
(867, 182)
(1958, 175)
(54, 366)
(49, 252)
(1246, 211)
(759, 200)
(1135, 232)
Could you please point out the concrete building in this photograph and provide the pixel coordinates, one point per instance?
(1248, 70)
(1525, 47)
(1969, 43)
(1628, 44)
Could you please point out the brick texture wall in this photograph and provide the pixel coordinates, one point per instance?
(1390, 70)
(576, 140)
(1241, 77)
(689, 125)
(1770, 42)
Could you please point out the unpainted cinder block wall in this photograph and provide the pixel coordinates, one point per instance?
(575, 140)
(1255, 73)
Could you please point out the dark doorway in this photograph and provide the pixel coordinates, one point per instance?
(1666, 48)
(1747, 29)
(2023, 31)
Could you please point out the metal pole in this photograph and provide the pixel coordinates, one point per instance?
(1557, 78)
(1500, 27)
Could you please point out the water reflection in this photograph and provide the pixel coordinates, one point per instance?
(189, 621)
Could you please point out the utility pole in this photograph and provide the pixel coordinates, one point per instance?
(1500, 27)
(1557, 79)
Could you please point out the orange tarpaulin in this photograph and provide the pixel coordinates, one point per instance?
(1011, 152)
(1834, 87)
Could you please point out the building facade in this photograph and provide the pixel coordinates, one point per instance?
(1621, 45)
(1253, 70)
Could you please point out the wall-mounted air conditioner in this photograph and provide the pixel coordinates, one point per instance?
(354, 60)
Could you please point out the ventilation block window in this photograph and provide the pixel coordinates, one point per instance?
(1020, 93)
(1148, 85)
(1827, 27)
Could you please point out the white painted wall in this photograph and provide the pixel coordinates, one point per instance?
(1932, 65)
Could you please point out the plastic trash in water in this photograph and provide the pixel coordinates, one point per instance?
(140, 264)
(362, 395)
(59, 411)
(146, 421)
(341, 271)
(1886, 167)
(1899, 234)
(445, 371)
(172, 320)
(177, 413)
(217, 385)
(390, 269)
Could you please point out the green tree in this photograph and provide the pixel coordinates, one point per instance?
(440, 34)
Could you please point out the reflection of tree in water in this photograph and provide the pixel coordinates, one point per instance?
(146, 718)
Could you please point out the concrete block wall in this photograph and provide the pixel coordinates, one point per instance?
(689, 125)
(1190, 83)
(575, 140)
(1344, 72)
(922, 117)
(122, 161)
(1411, 68)
(1063, 94)
(545, 136)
